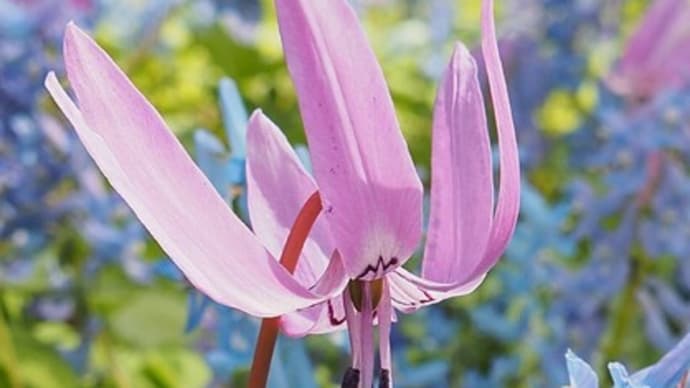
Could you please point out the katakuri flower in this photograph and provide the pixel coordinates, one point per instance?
(347, 263)
(656, 56)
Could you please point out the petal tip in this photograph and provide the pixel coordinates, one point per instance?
(72, 30)
(73, 41)
(462, 59)
(257, 117)
(50, 78)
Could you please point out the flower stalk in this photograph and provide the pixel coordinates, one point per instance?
(268, 333)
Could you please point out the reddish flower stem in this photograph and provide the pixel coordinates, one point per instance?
(654, 170)
(268, 333)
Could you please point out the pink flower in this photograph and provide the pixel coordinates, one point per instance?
(349, 270)
(656, 56)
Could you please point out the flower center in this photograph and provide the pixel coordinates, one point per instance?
(356, 289)
(365, 302)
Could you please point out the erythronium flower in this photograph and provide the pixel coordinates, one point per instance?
(656, 56)
(363, 173)
(370, 190)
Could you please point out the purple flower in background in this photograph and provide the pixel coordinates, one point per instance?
(657, 56)
(32, 167)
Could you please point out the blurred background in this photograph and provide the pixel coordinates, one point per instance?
(599, 262)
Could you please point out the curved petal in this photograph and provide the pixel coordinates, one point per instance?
(461, 181)
(370, 188)
(508, 204)
(325, 317)
(322, 318)
(277, 187)
(410, 292)
(147, 165)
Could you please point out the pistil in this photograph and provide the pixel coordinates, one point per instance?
(367, 336)
(385, 313)
(363, 302)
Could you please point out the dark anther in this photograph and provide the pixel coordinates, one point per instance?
(351, 378)
(385, 379)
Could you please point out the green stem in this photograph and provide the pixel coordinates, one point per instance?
(623, 314)
(626, 307)
(8, 356)
(119, 379)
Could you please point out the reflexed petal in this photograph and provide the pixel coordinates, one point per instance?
(410, 292)
(277, 188)
(461, 182)
(370, 188)
(147, 165)
(323, 318)
(508, 204)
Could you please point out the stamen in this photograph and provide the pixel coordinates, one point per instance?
(353, 325)
(366, 337)
(351, 378)
(258, 376)
(385, 311)
(385, 379)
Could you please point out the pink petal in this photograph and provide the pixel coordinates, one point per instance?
(147, 165)
(656, 54)
(461, 182)
(277, 188)
(361, 163)
(508, 204)
(647, 35)
(323, 318)
(410, 292)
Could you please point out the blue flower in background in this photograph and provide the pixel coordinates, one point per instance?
(670, 371)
